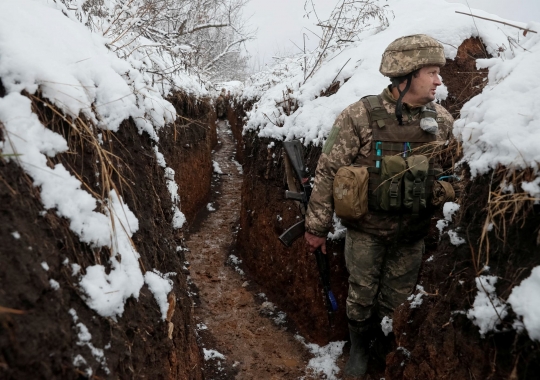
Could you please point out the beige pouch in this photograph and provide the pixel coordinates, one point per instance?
(351, 192)
(442, 192)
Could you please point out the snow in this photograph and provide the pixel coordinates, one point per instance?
(160, 285)
(441, 225)
(360, 62)
(449, 208)
(201, 326)
(212, 354)
(233, 259)
(339, 230)
(217, 169)
(54, 284)
(234, 86)
(455, 239)
(45, 266)
(238, 167)
(16, 235)
(75, 269)
(488, 310)
(387, 325)
(107, 293)
(416, 300)
(526, 303)
(85, 340)
(324, 360)
(78, 361)
(73, 314)
(501, 125)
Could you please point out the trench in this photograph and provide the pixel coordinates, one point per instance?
(233, 317)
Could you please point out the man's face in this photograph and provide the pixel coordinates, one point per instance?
(424, 85)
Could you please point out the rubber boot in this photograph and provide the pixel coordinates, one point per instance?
(357, 364)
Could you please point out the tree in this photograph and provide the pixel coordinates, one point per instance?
(171, 37)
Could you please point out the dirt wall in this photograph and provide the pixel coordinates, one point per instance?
(38, 336)
(288, 276)
(438, 340)
(190, 155)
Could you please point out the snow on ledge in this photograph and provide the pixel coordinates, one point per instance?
(501, 126)
(81, 76)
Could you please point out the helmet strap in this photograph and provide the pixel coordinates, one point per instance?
(399, 104)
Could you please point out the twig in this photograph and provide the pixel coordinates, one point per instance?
(327, 44)
(500, 22)
(8, 310)
(342, 67)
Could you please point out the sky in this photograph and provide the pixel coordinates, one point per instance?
(282, 22)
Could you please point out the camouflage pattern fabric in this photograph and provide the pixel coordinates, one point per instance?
(350, 138)
(407, 54)
(382, 274)
(220, 107)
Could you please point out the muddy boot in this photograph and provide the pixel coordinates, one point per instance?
(356, 366)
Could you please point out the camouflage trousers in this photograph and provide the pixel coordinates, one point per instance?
(381, 274)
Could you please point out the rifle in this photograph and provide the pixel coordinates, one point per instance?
(295, 154)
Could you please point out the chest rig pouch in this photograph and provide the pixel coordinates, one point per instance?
(400, 165)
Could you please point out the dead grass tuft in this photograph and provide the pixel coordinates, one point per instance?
(504, 208)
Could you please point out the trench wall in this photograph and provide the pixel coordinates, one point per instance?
(288, 276)
(38, 337)
(440, 341)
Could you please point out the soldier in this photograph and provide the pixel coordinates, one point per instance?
(383, 250)
(221, 107)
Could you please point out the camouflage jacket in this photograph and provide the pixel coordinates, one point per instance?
(220, 106)
(353, 139)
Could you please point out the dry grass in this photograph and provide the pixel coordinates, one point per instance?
(503, 208)
(82, 137)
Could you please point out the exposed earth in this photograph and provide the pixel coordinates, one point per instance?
(232, 316)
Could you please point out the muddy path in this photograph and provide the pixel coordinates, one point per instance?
(243, 336)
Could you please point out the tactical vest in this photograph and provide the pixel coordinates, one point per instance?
(389, 139)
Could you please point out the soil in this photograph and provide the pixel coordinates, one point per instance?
(230, 311)
(442, 342)
(38, 337)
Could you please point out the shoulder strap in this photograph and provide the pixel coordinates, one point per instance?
(377, 112)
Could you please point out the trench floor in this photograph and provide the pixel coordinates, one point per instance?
(232, 317)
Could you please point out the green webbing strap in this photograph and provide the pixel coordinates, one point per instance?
(417, 191)
(378, 112)
(374, 102)
(396, 147)
(393, 192)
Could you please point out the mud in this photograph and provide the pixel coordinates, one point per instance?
(461, 77)
(38, 337)
(232, 315)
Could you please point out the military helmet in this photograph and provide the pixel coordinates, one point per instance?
(410, 53)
